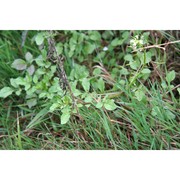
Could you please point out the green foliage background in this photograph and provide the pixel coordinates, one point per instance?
(125, 97)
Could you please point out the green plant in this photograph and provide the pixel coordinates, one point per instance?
(39, 82)
(123, 97)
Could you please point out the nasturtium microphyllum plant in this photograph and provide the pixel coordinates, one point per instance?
(39, 80)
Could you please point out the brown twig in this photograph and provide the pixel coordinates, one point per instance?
(59, 60)
(157, 46)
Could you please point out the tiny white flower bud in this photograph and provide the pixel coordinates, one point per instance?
(105, 48)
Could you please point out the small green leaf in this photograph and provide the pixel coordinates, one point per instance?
(31, 91)
(19, 64)
(148, 57)
(115, 42)
(53, 69)
(29, 57)
(5, 92)
(40, 71)
(178, 89)
(134, 64)
(110, 105)
(95, 36)
(89, 48)
(59, 48)
(101, 84)
(18, 92)
(76, 92)
(31, 70)
(31, 102)
(47, 64)
(122, 82)
(88, 99)
(13, 82)
(164, 85)
(99, 105)
(145, 58)
(125, 35)
(40, 61)
(86, 84)
(65, 117)
(97, 71)
(79, 105)
(170, 76)
(35, 78)
(139, 95)
(39, 38)
(54, 88)
(54, 107)
(128, 57)
(18, 81)
(124, 71)
(43, 94)
(146, 71)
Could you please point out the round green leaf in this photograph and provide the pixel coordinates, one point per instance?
(39, 38)
(19, 64)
